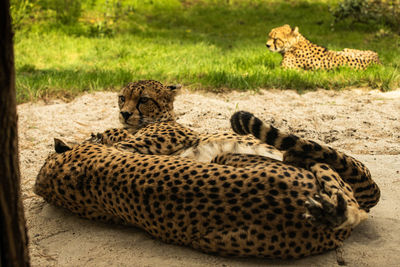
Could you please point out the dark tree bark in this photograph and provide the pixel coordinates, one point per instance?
(13, 236)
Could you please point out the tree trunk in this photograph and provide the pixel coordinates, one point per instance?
(13, 236)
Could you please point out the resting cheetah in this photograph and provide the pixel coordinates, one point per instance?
(245, 207)
(147, 114)
(300, 53)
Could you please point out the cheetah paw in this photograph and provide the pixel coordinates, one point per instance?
(354, 216)
(96, 138)
(333, 211)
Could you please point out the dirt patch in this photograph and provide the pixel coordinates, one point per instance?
(365, 124)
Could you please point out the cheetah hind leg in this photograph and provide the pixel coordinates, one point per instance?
(335, 205)
(351, 171)
(230, 242)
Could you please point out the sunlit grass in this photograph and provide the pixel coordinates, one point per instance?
(212, 45)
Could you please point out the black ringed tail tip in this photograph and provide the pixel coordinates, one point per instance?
(240, 121)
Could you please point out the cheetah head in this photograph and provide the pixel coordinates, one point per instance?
(60, 180)
(281, 39)
(144, 102)
(44, 185)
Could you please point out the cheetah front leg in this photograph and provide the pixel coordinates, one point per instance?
(110, 137)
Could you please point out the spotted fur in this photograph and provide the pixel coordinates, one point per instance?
(150, 127)
(300, 53)
(354, 175)
(239, 205)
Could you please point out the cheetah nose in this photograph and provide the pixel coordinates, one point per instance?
(267, 45)
(126, 114)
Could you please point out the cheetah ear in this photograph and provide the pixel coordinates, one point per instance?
(296, 30)
(174, 89)
(60, 146)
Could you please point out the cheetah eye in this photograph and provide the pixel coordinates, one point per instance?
(144, 100)
(122, 98)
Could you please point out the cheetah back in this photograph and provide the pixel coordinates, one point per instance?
(215, 208)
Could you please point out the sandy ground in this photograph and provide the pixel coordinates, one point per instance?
(365, 124)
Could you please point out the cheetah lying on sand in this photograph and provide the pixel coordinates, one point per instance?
(147, 114)
(236, 206)
(299, 53)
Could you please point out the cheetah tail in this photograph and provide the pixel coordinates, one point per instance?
(352, 171)
(243, 122)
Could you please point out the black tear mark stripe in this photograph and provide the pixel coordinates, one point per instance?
(131, 91)
(138, 109)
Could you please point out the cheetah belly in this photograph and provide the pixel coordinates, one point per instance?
(207, 151)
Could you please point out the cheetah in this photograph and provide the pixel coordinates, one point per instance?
(149, 127)
(300, 53)
(237, 205)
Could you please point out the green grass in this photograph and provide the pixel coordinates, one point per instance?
(213, 45)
